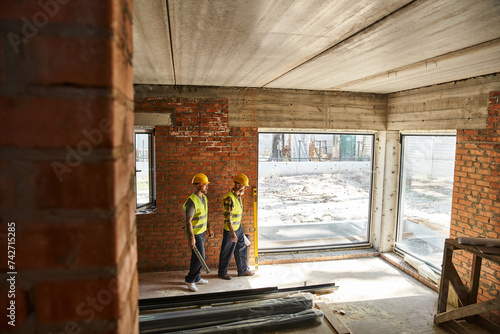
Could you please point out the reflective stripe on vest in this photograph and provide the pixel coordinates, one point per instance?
(199, 220)
(236, 213)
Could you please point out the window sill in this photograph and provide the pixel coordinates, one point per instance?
(398, 261)
(147, 211)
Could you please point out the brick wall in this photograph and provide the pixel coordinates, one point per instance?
(66, 167)
(199, 140)
(476, 196)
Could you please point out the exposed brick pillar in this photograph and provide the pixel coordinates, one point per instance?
(199, 140)
(476, 197)
(66, 166)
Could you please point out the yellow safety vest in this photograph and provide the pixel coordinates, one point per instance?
(200, 217)
(236, 213)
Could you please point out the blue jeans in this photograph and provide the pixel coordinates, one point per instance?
(195, 268)
(228, 248)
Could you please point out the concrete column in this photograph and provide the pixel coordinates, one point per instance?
(385, 195)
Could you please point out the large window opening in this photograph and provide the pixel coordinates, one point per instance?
(425, 200)
(144, 167)
(314, 190)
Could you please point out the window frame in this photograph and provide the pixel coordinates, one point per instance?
(152, 167)
(369, 237)
(401, 192)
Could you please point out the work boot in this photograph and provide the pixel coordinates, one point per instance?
(225, 276)
(247, 273)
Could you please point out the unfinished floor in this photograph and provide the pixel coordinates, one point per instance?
(375, 296)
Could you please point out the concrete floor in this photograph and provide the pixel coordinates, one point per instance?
(376, 297)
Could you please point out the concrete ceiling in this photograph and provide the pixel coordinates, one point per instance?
(376, 46)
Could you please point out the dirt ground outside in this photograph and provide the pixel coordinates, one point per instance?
(334, 208)
(328, 208)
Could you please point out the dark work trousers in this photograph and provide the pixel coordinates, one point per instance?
(228, 248)
(194, 270)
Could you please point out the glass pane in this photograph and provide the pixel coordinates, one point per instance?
(314, 190)
(426, 196)
(142, 168)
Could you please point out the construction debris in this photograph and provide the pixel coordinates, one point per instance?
(422, 268)
(333, 319)
(302, 319)
(229, 316)
(233, 311)
(152, 304)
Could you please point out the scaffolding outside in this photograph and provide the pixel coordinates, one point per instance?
(314, 190)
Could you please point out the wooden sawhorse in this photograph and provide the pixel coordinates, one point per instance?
(468, 298)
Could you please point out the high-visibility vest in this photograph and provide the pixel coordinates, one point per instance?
(199, 220)
(236, 213)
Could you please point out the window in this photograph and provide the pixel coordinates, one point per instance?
(314, 190)
(425, 200)
(144, 167)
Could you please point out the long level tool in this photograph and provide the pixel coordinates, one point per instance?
(256, 234)
(197, 252)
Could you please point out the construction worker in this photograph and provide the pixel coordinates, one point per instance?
(196, 213)
(233, 240)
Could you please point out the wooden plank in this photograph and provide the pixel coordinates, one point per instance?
(475, 273)
(454, 243)
(457, 328)
(487, 324)
(445, 279)
(466, 311)
(460, 288)
(333, 319)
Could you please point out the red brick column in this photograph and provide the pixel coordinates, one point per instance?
(199, 141)
(476, 196)
(66, 166)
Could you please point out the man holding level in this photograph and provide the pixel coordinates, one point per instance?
(233, 240)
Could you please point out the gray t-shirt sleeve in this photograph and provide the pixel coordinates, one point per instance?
(190, 209)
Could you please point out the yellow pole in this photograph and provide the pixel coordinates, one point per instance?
(256, 234)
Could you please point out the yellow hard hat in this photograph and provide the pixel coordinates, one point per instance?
(241, 178)
(200, 178)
